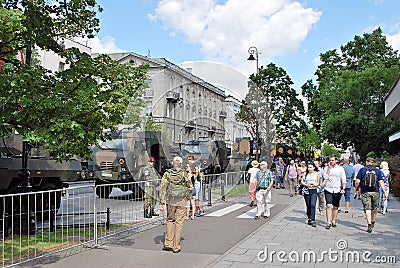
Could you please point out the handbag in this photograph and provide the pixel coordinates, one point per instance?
(302, 189)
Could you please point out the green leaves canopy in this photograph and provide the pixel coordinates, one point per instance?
(272, 106)
(347, 107)
(69, 109)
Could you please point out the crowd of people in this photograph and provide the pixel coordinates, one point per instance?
(324, 183)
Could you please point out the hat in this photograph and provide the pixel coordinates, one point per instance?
(178, 159)
(385, 165)
(254, 163)
(303, 162)
(370, 159)
(151, 159)
(264, 163)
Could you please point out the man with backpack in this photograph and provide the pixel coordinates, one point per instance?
(367, 179)
(175, 191)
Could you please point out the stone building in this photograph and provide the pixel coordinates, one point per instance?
(187, 106)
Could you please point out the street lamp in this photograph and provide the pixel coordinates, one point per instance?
(253, 51)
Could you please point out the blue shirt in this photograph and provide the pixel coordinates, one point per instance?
(349, 173)
(264, 178)
(361, 174)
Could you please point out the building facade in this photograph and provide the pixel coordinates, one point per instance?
(188, 107)
(392, 106)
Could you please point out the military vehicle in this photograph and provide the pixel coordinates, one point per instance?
(119, 159)
(45, 174)
(243, 153)
(213, 156)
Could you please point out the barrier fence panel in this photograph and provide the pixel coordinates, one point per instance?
(37, 224)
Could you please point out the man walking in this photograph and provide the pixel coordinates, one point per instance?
(149, 175)
(349, 178)
(265, 181)
(334, 184)
(176, 188)
(367, 179)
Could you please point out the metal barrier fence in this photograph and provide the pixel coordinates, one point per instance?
(37, 224)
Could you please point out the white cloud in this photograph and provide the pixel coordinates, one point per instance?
(226, 31)
(105, 45)
(394, 40)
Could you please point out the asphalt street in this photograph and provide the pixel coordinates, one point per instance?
(203, 240)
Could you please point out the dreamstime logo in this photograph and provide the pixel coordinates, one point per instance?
(332, 255)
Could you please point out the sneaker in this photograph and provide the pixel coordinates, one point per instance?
(359, 198)
(309, 222)
(166, 248)
(265, 217)
(200, 213)
(369, 229)
(334, 224)
(256, 217)
(383, 212)
(346, 211)
(373, 224)
(291, 195)
(283, 187)
(327, 227)
(314, 224)
(176, 250)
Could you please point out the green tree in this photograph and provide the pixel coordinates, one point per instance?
(151, 124)
(309, 141)
(347, 106)
(328, 150)
(66, 110)
(272, 107)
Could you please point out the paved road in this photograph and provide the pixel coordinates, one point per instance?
(203, 240)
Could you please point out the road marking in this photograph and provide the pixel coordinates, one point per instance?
(224, 211)
(250, 214)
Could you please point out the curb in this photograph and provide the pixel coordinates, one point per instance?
(255, 231)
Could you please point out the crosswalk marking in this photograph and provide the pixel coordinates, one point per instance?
(224, 211)
(247, 215)
(250, 214)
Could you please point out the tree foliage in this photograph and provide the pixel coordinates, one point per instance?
(347, 106)
(272, 107)
(67, 110)
(309, 141)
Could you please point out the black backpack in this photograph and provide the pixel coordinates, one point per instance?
(370, 180)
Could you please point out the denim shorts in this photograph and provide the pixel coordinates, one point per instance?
(347, 194)
(197, 189)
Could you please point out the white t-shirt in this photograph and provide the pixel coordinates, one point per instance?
(253, 172)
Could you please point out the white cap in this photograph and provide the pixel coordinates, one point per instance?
(178, 159)
(264, 163)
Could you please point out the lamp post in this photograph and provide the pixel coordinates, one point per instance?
(253, 51)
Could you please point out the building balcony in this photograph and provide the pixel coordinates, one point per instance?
(172, 96)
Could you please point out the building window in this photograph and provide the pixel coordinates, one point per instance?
(61, 66)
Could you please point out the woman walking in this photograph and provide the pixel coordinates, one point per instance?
(311, 181)
(252, 172)
(386, 173)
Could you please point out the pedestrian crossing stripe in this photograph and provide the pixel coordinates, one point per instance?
(250, 214)
(224, 211)
(247, 215)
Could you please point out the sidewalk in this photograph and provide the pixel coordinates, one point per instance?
(288, 232)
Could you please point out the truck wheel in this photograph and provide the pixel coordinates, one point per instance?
(17, 211)
(47, 202)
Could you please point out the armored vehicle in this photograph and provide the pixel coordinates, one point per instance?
(119, 159)
(45, 174)
(211, 155)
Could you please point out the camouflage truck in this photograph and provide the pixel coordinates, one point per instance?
(45, 174)
(213, 156)
(119, 159)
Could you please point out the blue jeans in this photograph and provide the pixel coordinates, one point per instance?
(311, 201)
(383, 204)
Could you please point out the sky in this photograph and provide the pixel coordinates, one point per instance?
(289, 33)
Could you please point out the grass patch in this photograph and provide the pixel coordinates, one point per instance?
(236, 190)
(19, 247)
